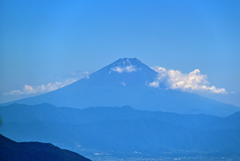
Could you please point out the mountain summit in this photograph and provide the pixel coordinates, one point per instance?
(123, 72)
(126, 82)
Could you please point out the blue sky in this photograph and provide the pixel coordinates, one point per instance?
(44, 42)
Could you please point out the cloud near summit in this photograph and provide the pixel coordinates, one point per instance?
(175, 79)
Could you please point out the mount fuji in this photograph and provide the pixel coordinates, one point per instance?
(126, 82)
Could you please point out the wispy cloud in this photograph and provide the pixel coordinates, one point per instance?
(79, 74)
(175, 79)
(127, 69)
(44, 88)
(27, 89)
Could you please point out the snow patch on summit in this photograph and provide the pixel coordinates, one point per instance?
(128, 69)
(124, 65)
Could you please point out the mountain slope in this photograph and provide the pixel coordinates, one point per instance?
(125, 82)
(13, 151)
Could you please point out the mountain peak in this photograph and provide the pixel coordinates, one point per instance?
(125, 70)
(128, 65)
(127, 62)
(126, 59)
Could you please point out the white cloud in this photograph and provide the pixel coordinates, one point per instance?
(27, 89)
(127, 69)
(154, 84)
(85, 75)
(123, 83)
(175, 79)
(44, 88)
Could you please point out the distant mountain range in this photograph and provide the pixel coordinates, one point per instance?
(126, 82)
(123, 130)
(34, 151)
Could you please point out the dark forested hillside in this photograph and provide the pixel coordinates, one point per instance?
(34, 151)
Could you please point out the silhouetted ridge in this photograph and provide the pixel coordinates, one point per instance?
(34, 151)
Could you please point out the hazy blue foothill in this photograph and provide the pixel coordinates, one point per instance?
(123, 131)
(112, 86)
